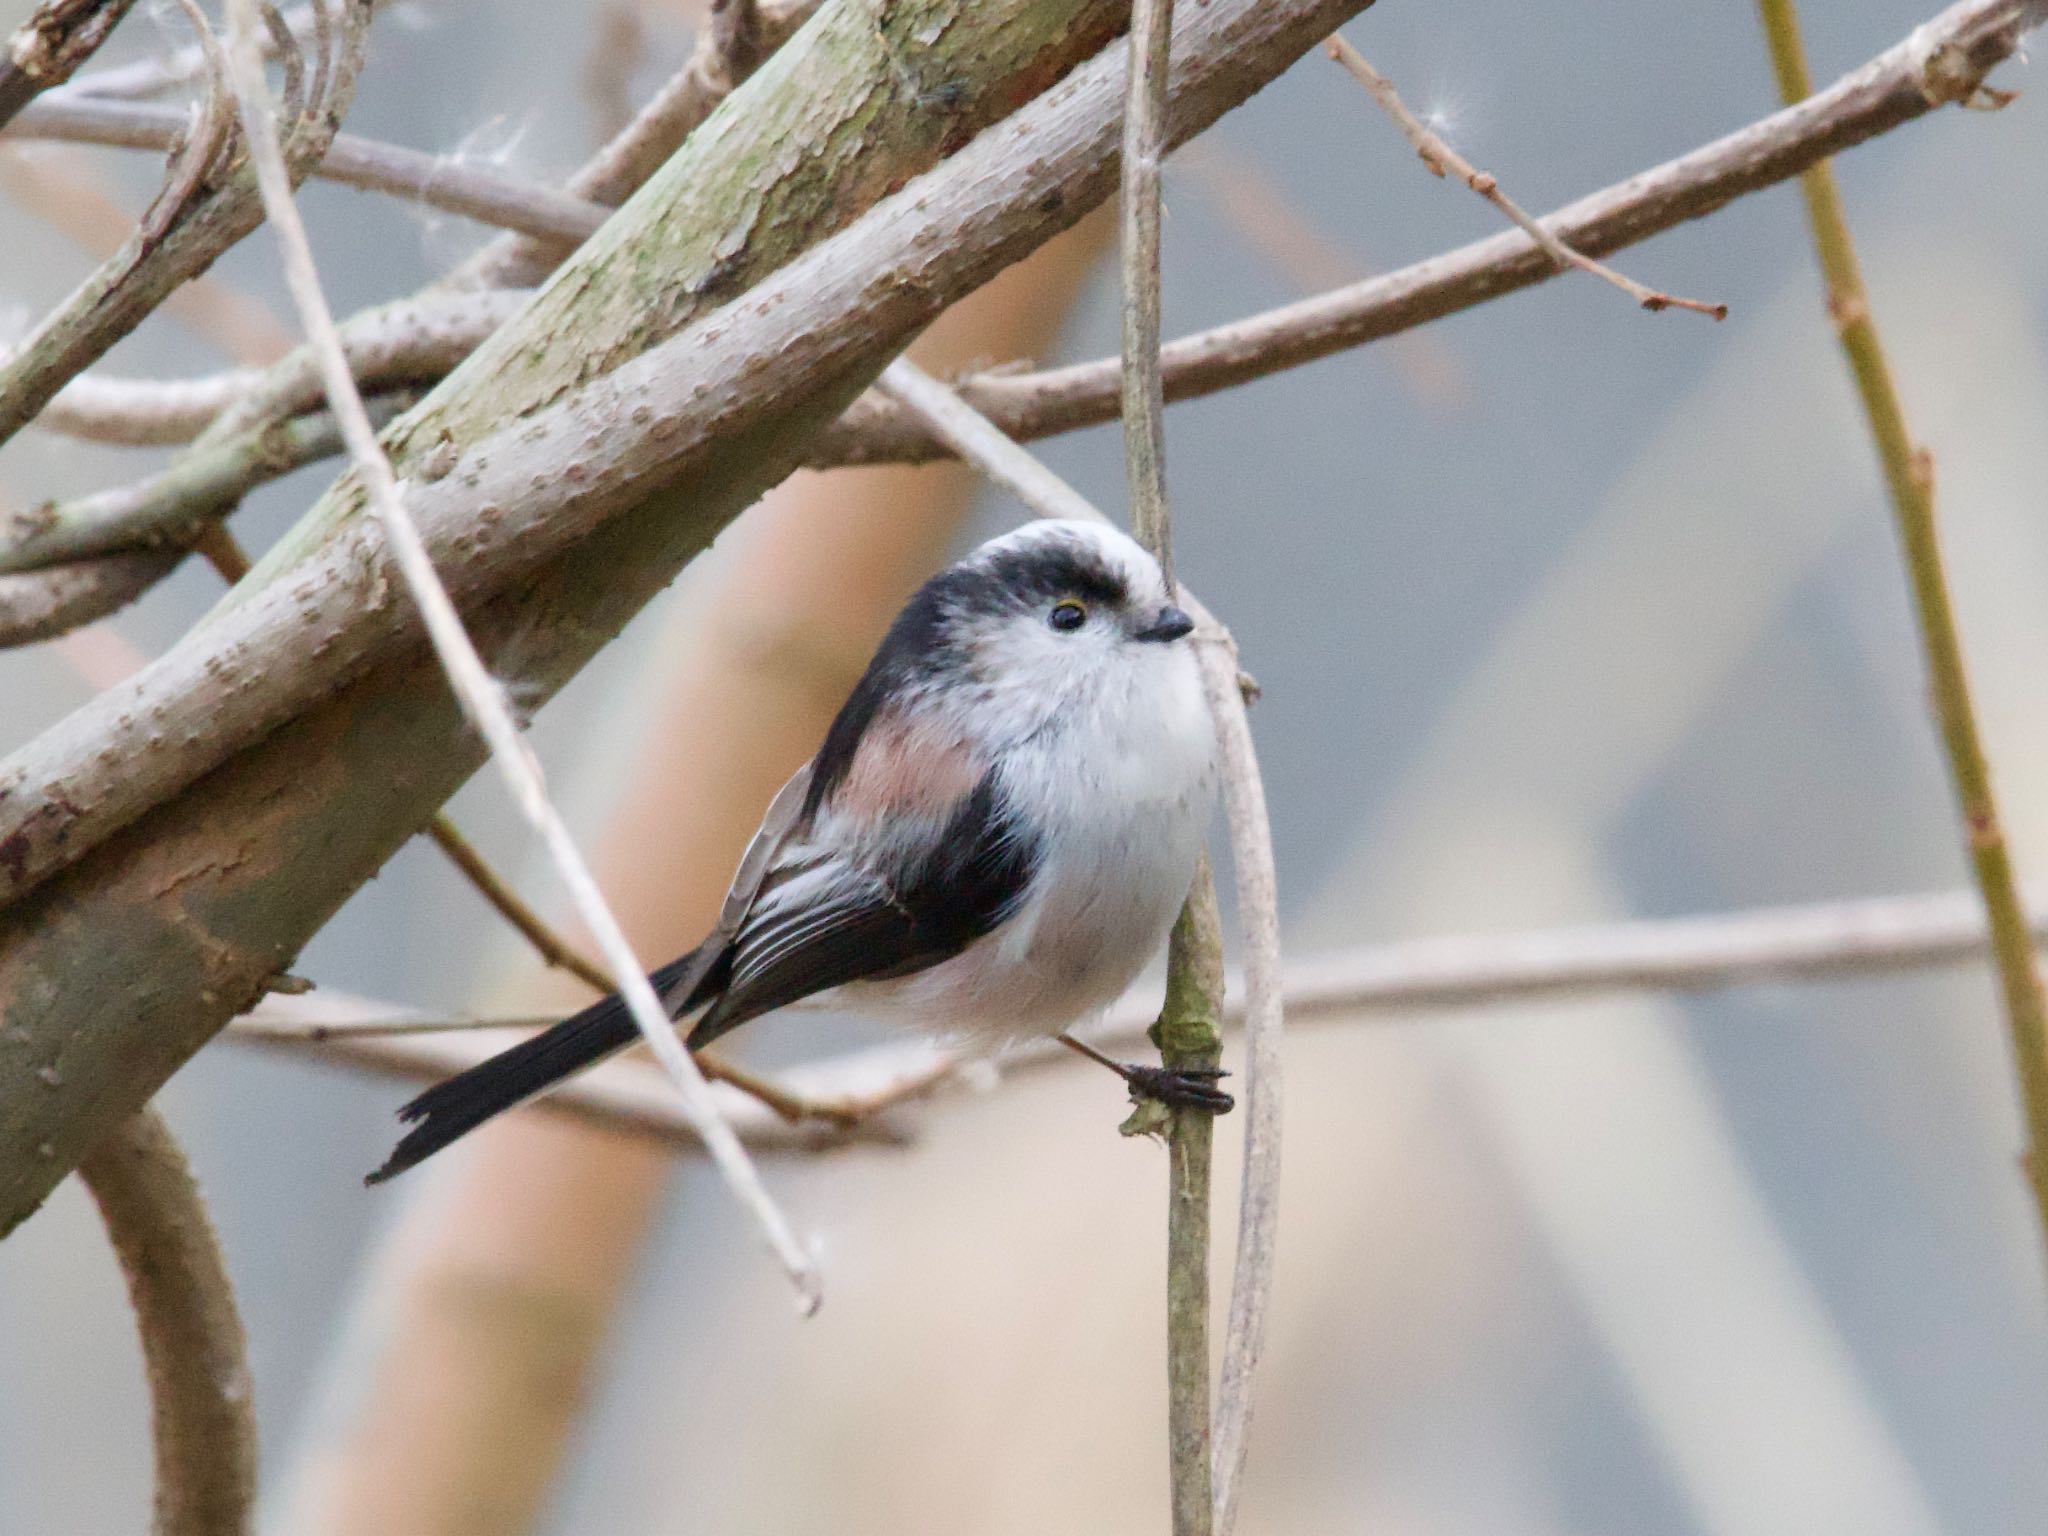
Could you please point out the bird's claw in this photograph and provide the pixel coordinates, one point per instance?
(1181, 1087)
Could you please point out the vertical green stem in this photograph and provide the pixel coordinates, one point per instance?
(1187, 1036)
(1186, 1032)
(1909, 477)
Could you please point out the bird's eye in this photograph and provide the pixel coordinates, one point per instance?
(1067, 615)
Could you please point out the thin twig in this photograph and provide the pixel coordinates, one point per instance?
(508, 904)
(192, 1341)
(171, 509)
(481, 696)
(559, 952)
(1144, 400)
(44, 50)
(1186, 1033)
(1258, 1219)
(1942, 61)
(473, 191)
(1760, 946)
(1378, 985)
(1440, 158)
(1909, 477)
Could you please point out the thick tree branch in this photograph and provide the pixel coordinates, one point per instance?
(192, 1343)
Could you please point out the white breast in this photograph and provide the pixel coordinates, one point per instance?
(1122, 788)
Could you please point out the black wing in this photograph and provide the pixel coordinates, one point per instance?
(817, 922)
(822, 921)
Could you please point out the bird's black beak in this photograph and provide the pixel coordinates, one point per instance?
(1171, 624)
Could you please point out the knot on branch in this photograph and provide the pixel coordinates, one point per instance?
(1952, 69)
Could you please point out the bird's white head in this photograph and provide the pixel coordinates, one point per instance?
(1048, 618)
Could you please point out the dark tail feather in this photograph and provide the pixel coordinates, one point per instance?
(452, 1109)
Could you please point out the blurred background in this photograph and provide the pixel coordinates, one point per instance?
(1563, 612)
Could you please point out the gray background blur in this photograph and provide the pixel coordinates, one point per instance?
(1563, 612)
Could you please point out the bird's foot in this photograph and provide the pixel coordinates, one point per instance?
(1179, 1087)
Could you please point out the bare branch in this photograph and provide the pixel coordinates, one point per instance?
(169, 510)
(1258, 1221)
(482, 699)
(1144, 404)
(1441, 159)
(1909, 476)
(473, 191)
(413, 341)
(1944, 60)
(1187, 1033)
(192, 1342)
(213, 208)
(1765, 946)
(41, 605)
(54, 41)
(560, 472)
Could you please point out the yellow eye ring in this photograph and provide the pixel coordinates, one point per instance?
(1067, 615)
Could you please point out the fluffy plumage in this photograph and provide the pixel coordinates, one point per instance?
(991, 842)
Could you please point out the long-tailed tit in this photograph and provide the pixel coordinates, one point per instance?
(991, 843)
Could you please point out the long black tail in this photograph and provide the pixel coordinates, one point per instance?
(465, 1101)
